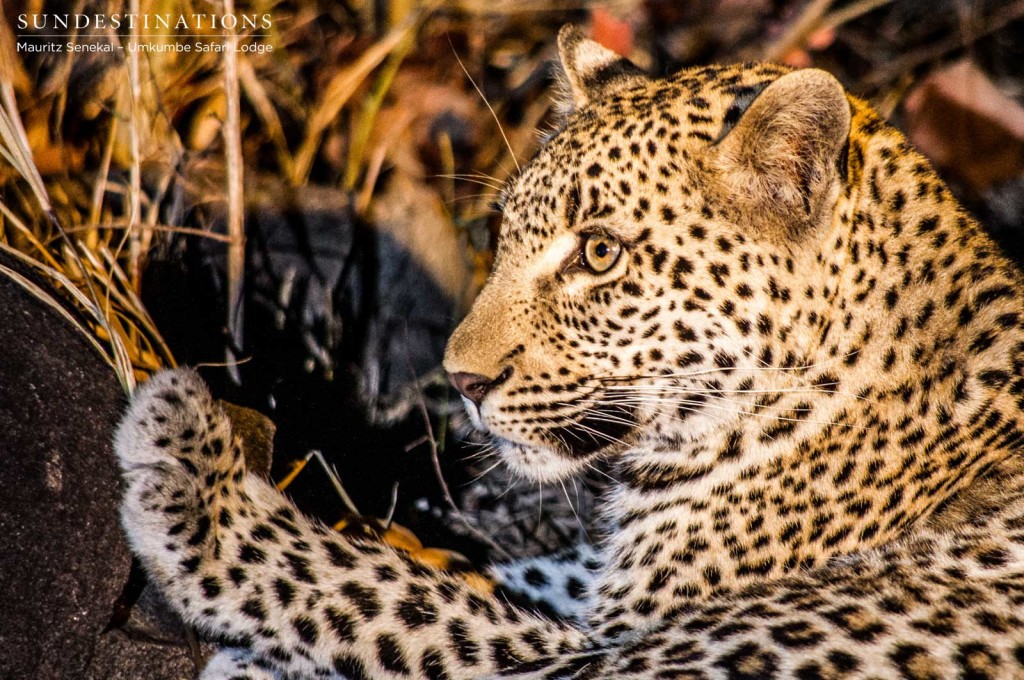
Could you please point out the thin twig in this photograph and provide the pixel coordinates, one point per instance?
(135, 172)
(436, 462)
(102, 176)
(419, 441)
(796, 34)
(853, 11)
(189, 231)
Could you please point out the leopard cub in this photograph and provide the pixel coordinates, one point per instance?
(745, 291)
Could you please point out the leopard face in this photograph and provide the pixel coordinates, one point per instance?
(646, 260)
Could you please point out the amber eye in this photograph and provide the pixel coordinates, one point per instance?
(600, 252)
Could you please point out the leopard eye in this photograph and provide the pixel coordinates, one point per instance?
(600, 252)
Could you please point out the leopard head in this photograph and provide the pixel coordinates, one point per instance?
(644, 253)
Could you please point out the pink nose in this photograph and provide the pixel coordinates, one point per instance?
(474, 386)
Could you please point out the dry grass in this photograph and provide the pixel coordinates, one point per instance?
(90, 278)
(94, 251)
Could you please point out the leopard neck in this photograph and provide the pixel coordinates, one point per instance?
(915, 357)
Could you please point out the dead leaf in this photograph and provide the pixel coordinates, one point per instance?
(612, 32)
(821, 39)
(797, 58)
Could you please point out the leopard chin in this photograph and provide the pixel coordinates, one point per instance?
(564, 450)
(541, 464)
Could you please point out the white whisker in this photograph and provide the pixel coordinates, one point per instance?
(508, 145)
(571, 507)
(513, 478)
(601, 472)
(732, 369)
(598, 433)
(483, 474)
(698, 406)
(472, 180)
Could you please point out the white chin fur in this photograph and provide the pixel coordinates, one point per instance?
(474, 415)
(538, 464)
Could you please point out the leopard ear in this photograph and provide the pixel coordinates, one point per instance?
(782, 157)
(590, 71)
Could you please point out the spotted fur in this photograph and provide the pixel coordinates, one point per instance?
(806, 366)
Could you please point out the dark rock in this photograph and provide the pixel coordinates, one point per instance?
(369, 300)
(153, 643)
(122, 657)
(73, 606)
(63, 557)
(257, 434)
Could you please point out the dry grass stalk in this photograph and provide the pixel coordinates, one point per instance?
(46, 298)
(100, 186)
(341, 87)
(95, 228)
(257, 95)
(435, 460)
(29, 235)
(15, 149)
(107, 336)
(837, 18)
(135, 180)
(86, 276)
(11, 71)
(236, 202)
(371, 106)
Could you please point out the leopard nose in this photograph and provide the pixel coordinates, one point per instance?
(474, 386)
